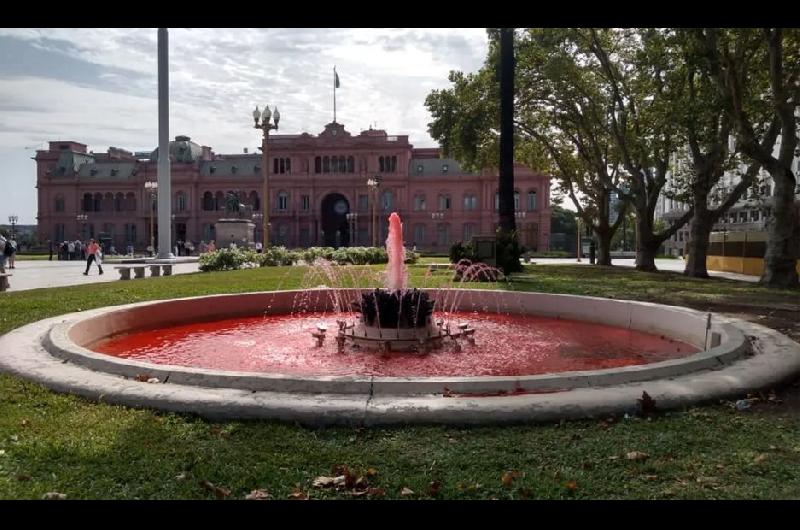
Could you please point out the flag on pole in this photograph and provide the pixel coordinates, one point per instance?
(335, 78)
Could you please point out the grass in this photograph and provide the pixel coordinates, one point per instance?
(52, 442)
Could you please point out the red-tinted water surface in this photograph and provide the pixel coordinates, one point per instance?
(505, 345)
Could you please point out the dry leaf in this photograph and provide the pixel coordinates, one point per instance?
(371, 472)
(760, 458)
(23, 477)
(219, 492)
(571, 485)
(54, 496)
(508, 478)
(447, 392)
(298, 494)
(376, 492)
(257, 495)
(182, 476)
(25, 423)
(142, 378)
(406, 492)
(325, 482)
(434, 487)
(637, 455)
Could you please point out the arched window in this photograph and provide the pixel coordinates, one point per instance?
(381, 164)
(394, 164)
(334, 164)
(317, 164)
(351, 164)
(283, 201)
(219, 201)
(98, 202)
(130, 201)
(208, 202)
(180, 201)
(119, 202)
(531, 201)
(342, 164)
(59, 206)
(108, 202)
(86, 204)
(444, 202)
(326, 164)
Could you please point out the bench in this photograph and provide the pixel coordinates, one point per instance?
(4, 280)
(439, 266)
(138, 269)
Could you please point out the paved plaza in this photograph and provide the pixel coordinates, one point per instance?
(35, 274)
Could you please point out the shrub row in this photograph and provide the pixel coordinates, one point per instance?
(236, 258)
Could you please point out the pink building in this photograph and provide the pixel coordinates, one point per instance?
(315, 182)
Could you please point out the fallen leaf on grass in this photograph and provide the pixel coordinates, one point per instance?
(182, 476)
(53, 496)
(637, 455)
(218, 492)
(571, 485)
(327, 482)
(371, 472)
(508, 478)
(257, 495)
(434, 487)
(23, 477)
(405, 492)
(376, 492)
(707, 480)
(25, 423)
(298, 495)
(760, 458)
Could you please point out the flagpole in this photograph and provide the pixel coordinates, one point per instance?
(334, 94)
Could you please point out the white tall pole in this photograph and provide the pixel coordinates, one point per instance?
(164, 188)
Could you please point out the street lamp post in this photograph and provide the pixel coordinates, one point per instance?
(12, 219)
(266, 127)
(373, 184)
(152, 187)
(257, 217)
(82, 218)
(578, 220)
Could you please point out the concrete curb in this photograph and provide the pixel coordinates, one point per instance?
(775, 359)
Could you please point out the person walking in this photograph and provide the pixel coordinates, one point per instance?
(12, 244)
(94, 254)
(71, 250)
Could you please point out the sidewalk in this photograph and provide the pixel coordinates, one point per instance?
(674, 265)
(35, 274)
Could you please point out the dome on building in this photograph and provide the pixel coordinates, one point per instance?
(183, 149)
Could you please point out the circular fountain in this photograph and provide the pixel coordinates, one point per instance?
(398, 355)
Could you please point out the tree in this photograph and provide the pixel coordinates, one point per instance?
(506, 179)
(757, 73)
(708, 128)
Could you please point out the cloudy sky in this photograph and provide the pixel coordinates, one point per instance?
(99, 87)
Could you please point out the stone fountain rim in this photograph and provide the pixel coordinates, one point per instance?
(59, 343)
(775, 360)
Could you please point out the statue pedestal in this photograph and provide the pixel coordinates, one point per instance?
(238, 231)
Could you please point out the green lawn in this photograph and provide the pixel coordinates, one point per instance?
(51, 442)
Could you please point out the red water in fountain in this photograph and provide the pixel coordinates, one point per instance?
(506, 345)
(396, 268)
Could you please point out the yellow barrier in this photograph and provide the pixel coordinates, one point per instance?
(749, 266)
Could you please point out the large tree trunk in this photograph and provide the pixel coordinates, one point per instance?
(604, 247)
(646, 247)
(506, 183)
(699, 235)
(783, 243)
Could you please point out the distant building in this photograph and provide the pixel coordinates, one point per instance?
(314, 182)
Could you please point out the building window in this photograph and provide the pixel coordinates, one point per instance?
(497, 201)
(130, 200)
(386, 200)
(755, 215)
(531, 201)
(381, 165)
(444, 202)
(443, 234)
(351, 164)
(363, 203)
(470, 202)
(208, 202)
(305, 202)
(318, 164)
(516, 201)
(130, 233)
(469, 231)
(342, 164)
(326, 164)
(283, 201)
(742, 217)
(419, 235)
(180, 202)
(419, 168)
(59, 203)
(281, 165)
(419, 203)
(445, 168)
(86, 204)
(119, 202)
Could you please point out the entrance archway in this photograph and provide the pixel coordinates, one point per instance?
(335, 228)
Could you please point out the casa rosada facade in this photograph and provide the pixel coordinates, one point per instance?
(314, 183)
